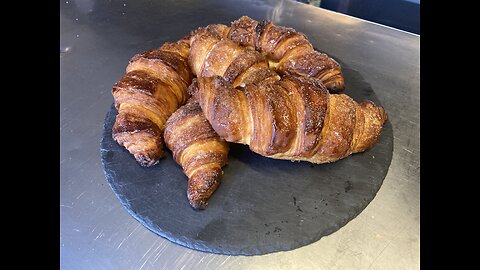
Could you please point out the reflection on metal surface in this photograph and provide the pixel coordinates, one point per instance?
(85, 6)
(347, 20)
(277, 10)
(64, 50)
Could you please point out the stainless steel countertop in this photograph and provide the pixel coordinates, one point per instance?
(97, 38)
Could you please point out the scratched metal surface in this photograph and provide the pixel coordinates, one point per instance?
(97, 38)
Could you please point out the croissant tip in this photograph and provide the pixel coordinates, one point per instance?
(197, 201)
(146, 161)
(198, 204)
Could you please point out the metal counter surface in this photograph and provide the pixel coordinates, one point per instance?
(97, 38)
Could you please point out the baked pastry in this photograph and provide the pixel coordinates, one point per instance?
(194, 143)
(258, 84)
(294, 118)
(198, 149)
(213, 55)
(154, 86)
(288, 51)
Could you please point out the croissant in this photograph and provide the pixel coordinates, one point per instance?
(154, 86)
(212, 55)
(289, 51)
(194, 143)
(294, 118)
(198, 149)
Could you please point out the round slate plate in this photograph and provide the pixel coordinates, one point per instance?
(262, 205)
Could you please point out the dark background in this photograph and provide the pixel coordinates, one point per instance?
(400, 14)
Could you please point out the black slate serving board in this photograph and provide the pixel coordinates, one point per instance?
(263, 205)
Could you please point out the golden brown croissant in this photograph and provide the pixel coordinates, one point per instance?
(294, 118)
(198, 149)
(278, 118)
(188, 133)
(154, 86)
(289, 51)
(210, 55)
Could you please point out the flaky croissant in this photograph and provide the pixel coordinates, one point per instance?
(294, 118)
(287, 51)
(291, 118)
(212, 55)
(198, 149)
(194, 143)
(154, 86)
